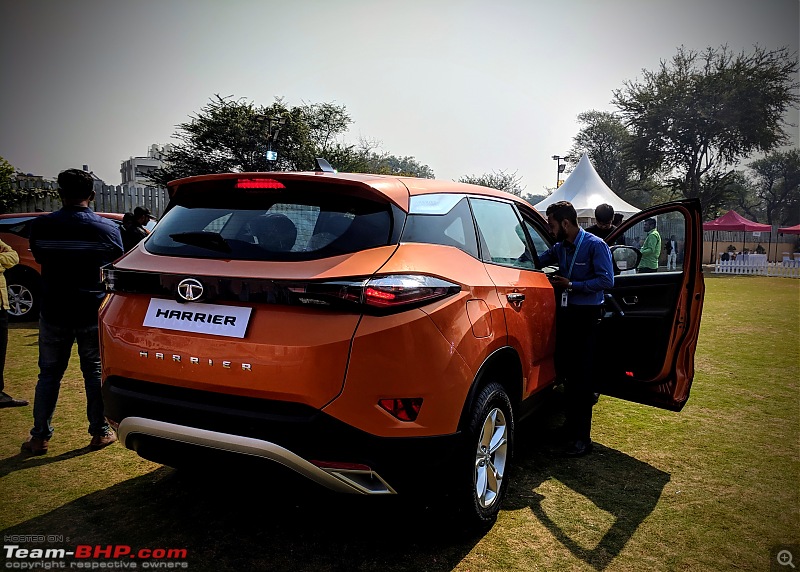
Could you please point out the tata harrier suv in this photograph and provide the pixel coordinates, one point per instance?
(374, 334)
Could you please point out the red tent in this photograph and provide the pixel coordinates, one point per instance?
(790, 229)
(733, 221)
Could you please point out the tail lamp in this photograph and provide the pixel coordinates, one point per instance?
(395, 291)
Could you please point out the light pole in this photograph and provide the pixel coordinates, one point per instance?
(559, 168)
(273, 135)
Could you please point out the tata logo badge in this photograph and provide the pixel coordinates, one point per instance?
(190, 290)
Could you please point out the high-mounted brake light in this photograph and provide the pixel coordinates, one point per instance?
(259, 184)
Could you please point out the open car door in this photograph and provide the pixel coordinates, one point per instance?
(647, 340)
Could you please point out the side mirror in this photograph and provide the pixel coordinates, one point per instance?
(550, 270)
(626, 258)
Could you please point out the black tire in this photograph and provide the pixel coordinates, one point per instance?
(483, 475)
(23, 297)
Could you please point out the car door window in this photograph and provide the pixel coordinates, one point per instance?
(504, 240)
(655, 314)
(661, 243)
(539, 242)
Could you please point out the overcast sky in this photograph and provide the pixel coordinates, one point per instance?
(465, 87)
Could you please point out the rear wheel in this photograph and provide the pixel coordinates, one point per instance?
(490, 436)
(22, 298)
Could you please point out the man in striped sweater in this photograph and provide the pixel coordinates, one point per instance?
(71, 245)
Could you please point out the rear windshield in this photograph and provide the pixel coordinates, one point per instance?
(270, 224)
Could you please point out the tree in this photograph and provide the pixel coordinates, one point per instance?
(8, 195)
(385, 164)
(775, 181)
(367, 157)
(13, 192)
(701, 113)
(609, 145)
(533, 199)
(606, 140)
(233, 135)
(500, 180)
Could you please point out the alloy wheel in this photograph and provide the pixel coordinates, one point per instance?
(20, 300)
(491, 457)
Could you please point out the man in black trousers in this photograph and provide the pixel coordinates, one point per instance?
(71, 245)
(585, 272)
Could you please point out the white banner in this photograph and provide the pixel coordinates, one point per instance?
(228, 321)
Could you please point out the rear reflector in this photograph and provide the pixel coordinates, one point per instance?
(404, 409)
(259, 184)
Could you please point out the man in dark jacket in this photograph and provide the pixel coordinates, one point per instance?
(132, 232)
(603, 216)
(71, 245)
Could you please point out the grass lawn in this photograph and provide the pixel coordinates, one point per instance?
(714, 487)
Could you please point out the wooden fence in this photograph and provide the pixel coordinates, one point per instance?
(108, 198)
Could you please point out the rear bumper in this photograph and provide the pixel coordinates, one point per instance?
(136, 432)
(174, 425)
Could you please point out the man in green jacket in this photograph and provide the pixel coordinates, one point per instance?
(651, 249)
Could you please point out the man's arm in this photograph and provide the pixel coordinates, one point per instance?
(116, 239)
(548, 257)
(8, 257)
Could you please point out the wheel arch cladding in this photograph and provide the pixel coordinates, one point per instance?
(503, 367)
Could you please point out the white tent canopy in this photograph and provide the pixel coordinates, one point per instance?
(586, 190)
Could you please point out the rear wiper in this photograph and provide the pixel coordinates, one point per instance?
(203, 239)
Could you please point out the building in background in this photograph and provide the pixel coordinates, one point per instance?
(134, 171)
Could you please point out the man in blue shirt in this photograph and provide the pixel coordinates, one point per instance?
(585, 272)
(71, 245)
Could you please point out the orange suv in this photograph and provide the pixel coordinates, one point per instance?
(374, 334)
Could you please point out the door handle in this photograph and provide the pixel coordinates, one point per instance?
(515, 297)
(630, 300)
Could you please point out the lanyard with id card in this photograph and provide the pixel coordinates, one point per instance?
(565, 294)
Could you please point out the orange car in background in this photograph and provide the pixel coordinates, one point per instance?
(24, 278)
(374, 334)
